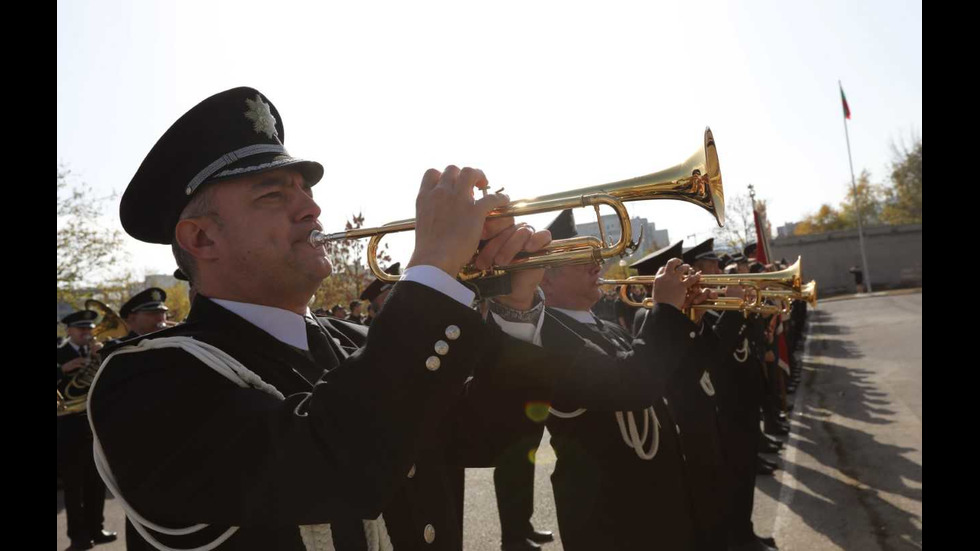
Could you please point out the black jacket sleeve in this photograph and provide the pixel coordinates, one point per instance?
(189, 446)
(584, 378)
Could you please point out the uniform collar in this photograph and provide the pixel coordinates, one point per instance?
(285, 326)
(581, 316)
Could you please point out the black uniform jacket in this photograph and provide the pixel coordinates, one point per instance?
(698, 395)
(188, 446)
(73, 429)
(606, 496)
(66, 353)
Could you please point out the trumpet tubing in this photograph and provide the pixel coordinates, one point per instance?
(696, 180)
(782, 286)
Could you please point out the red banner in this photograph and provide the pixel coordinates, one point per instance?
(761, 233)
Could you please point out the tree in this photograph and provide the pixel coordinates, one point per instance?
(350, 275)
(114, 291)
(86, 251)
(903, 200)
(739, 228)
(871, 199)
(177, 301)
(827, 218)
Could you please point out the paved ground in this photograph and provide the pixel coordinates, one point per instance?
(853, 463)
(853, 477)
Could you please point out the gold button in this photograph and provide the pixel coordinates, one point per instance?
(429, 533)
(442, 348)
(411, 472)
(432, 363)
(678, 427)
(665, 401)
(692, 334)
(452, 332)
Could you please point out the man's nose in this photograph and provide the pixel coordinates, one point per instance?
(306, 206)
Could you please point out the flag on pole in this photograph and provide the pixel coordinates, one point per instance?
(843, 99)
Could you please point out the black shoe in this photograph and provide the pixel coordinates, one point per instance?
(754, 545)
(526, 545)
(770, 541)
(766, 447)
(762, 469)
(772, 440)
(771, 464)
(541, 536)
(768, 444)
(776, 429)
(104, 537)
(80, 545)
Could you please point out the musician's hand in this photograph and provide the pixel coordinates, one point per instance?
(770, 357)
(448, 220)
(736, 291)
(72, 365)
(96, 346)
(699, 296)
(505, 241)
(673, 282)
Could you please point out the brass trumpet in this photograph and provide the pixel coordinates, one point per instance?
(696, 180)
(807, 292)
(770, 285)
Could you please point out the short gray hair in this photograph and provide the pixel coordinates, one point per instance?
(200, 205)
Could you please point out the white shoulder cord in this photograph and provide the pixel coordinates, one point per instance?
(742, 353)
(315, 537)
(631, 437)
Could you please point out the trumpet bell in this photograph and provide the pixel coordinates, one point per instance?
(696, 180)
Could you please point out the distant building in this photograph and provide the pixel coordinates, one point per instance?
(163, 281)
(786, 230)
(652, 237)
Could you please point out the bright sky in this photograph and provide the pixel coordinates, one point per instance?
(544, 96)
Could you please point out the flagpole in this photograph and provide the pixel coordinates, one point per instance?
(857, 199)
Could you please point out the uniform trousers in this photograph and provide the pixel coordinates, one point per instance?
(83, 488)
(513, 481)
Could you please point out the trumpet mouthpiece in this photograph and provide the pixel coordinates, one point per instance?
(317, 238)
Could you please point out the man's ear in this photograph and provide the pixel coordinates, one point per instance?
(193, 236)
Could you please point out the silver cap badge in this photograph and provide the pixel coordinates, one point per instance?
(261, 116)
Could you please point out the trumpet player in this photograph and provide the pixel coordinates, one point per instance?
(737, 389)
(639, 471)
(256, 425)
(84, 491)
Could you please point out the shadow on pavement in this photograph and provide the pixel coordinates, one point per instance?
(835, 348)
(819, 507)
(827, 329)
(836, 396)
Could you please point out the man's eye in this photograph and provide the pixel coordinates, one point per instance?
(272, 195)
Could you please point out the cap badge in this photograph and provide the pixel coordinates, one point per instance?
(157, 296)
(261, 116)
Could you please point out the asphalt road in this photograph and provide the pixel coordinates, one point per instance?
(852, 468)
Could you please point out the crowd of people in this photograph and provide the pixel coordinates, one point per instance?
(259, 424)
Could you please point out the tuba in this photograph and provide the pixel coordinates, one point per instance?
(109, 326)
(696, 180)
